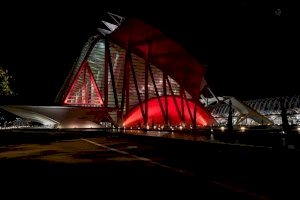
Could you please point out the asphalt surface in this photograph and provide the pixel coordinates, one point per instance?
(105, 162)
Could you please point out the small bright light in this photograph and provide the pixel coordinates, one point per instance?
(180, 127)
(222, 128)
(147, 127)
(243, 128)
(162, 127)
(154, 127)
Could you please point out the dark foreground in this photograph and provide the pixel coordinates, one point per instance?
(115, 164)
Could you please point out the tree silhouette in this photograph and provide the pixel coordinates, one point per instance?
(5, 78)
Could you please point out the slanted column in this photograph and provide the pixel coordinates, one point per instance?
(121, 110)
(127, 68)
(112, 77)
(147, 63)
(106, 75)
(195, 115)
(182, 104)
(166, 99)
(83, 100)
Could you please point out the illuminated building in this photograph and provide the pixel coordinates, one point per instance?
(132, 75)
(148, 78)
(269, 108)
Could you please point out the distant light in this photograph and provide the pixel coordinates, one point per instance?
(278, 12)
(147, 127)
(222, 128)
(298, 128)
(243, 128)
(154, 127)
(180, 127)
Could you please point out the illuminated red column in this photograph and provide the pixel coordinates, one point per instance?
(195, 115)
(84, 87)
(165, 94)
(182, 104)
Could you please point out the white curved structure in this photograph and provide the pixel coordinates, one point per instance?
(243, 113)
(60, 116)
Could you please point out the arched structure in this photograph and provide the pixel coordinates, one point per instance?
(134, 67)
(268, 107)
(60, 116)
(175, 106)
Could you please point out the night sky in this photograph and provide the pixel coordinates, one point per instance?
(250, 49)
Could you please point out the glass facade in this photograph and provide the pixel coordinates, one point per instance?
(96, 62)
(86, 83)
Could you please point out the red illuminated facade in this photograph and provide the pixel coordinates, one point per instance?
(148, 78)
(173, 110)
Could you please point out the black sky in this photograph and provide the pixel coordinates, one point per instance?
(251, 51)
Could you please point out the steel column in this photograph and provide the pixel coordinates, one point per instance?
(156, 92)
(188, 106)
(123, 87)
(165, 95)
(146, 86)
(127, 80)
(112, 77)
(106, 76)
(182, 104)
(137, 87)
(195, 116)
(83, 99)
(173, 96)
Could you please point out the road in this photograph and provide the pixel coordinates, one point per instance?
(172, 167)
